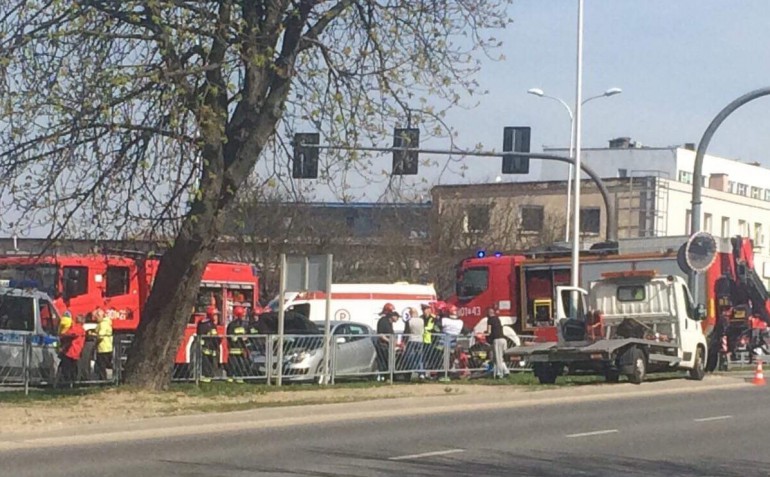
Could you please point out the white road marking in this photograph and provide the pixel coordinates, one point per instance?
(427, 454)
(593, 433)
(715, 418)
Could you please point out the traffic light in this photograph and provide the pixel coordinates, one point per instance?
(305, 161)
(405, 162)
(516, 139)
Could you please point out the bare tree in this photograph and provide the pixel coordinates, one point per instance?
(146, 117)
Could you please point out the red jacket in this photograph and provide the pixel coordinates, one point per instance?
(73, 341)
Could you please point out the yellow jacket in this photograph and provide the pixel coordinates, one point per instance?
(104, 336)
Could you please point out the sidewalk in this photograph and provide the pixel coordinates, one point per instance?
(458, 399)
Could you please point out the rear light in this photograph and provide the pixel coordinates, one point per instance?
(596, 356)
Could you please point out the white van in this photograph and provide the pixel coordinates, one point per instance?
(359, 302)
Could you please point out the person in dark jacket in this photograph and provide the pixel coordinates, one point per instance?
(388, 316)
(207, 333)
(237, 361)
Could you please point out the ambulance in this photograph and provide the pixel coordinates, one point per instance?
(359, 302)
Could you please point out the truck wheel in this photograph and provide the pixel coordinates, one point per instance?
(546, 373)
(612, 376)
(639, 363)
(698, 371)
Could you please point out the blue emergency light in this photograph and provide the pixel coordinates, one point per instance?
(498, 254)
(481, 254)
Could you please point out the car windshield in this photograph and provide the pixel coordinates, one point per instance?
(40, 277)
(472, 282)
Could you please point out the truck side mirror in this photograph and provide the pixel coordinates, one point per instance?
(700, 312)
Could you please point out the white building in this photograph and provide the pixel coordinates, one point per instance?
(736, 195)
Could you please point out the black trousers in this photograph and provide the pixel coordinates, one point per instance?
(209, 365)
(103, 362)
(382, 356)
(237, 366)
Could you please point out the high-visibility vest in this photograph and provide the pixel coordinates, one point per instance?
(427, 331)
(104, 336)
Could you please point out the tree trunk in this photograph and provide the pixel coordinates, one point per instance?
(168, 309)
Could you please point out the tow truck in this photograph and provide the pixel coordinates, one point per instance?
(632, 323)
(523, 288)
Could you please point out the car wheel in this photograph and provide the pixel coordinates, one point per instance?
(639, 363)
(698, 371)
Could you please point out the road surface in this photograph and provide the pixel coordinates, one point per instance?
(719, 433)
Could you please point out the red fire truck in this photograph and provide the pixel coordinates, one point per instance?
(523, 287)
(83, 283)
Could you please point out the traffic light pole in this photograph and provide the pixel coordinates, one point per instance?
(611, 230)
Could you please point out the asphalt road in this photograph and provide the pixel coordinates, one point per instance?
(720, 433)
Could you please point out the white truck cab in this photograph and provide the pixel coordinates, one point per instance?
(628, 323)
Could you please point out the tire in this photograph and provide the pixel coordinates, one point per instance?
(612, 376)
(546, 373)
(639, 363)
(698, 371)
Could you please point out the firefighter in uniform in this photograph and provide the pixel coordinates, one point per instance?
(207, 332)
(237, 362)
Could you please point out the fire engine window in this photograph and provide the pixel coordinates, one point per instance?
(631, 293)
(17, 313)
(208, 296)
(75, 281)
(117, 281)
(473, 282)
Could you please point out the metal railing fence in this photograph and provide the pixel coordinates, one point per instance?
(27, 360)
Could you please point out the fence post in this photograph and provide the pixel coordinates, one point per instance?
(391, 356)
(333, 361)
(26, 361)
(198, 354)
(269, 358)
(445, 337)
(117, 353)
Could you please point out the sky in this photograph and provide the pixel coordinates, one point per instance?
(678, 64)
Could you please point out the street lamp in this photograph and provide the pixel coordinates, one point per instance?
(540, 93)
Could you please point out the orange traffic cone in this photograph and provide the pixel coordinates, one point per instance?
(759, 376)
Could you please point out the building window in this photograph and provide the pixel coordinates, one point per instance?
(731, 187)
(703, 181)
(743, 228)
(685, 176)
(687, 222)
(622, 173)
(531, 218)
(742, 189)
(590, 219)
(767, 195)
(477, 219)
(758, 238)
(756, 193)
(725, 227)
(707, 222)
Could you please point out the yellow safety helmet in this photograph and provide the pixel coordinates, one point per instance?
(65, 323)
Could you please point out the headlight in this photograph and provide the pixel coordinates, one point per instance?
(300, 356)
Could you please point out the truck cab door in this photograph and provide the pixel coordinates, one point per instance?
(570, 303)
